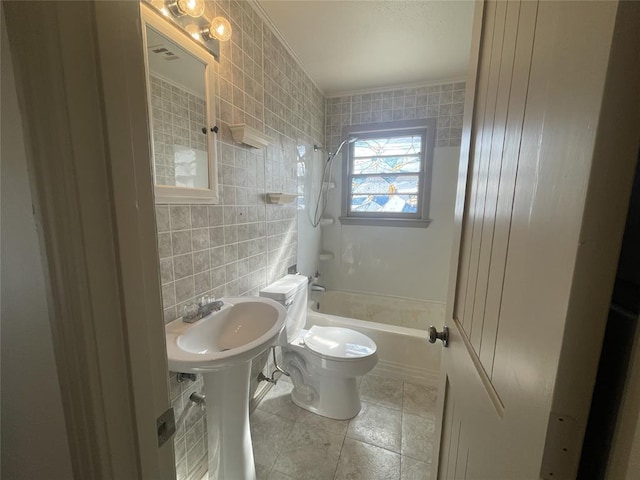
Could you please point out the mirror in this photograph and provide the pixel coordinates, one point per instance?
(179, 79)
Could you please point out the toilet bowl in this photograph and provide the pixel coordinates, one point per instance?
(322, 362)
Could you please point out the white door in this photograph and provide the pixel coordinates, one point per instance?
(540, 212)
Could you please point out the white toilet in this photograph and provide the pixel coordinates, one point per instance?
(323, 362)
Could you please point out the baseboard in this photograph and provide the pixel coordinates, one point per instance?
(406, 373)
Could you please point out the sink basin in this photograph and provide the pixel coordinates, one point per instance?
(241, 330)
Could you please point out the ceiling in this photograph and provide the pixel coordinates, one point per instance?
(353, 45)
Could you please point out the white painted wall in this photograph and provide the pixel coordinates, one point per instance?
(404, 262)
(34, 438)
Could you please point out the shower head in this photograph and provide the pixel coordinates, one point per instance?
(346, 140)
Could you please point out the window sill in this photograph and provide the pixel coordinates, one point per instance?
(385, 222)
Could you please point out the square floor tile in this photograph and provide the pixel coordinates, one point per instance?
(417, 436)
(262, 471)
(379, 426)
(339, 427)
(419, 399)
(310, 454)
(382, 391)
(390, 439)
(411, 469)
(269, 434)
(279, 476)
(361, 461)
(278, 401)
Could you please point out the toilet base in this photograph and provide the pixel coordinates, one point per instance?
(335, 398)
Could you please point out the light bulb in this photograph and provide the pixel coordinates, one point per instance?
(193, 8)
(220, 28)
(194, 31)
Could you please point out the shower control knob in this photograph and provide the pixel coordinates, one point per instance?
(436, 335)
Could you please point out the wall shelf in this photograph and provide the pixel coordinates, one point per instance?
(243, 133)
(277, 198)
(327, 221)
(325, 256)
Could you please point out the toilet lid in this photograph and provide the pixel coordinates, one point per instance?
(339, 343)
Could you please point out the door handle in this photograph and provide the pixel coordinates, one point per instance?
(436, 335)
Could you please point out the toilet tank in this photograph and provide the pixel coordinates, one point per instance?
(290, 291)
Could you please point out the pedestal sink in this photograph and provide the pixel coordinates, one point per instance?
(221, 346)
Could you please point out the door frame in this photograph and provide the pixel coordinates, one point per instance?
(82, 93)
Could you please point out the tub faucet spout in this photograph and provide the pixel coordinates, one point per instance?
(318, 288)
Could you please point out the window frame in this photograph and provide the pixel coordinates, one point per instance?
(427, 128)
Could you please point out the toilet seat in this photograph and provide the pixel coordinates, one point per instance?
(337, 343)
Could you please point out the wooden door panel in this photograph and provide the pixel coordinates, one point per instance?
(483, 245)
(450, 433)
(542, 68)
(515, 82)
(476, 141)
(480, 180)
(455, 465)
(495, 153)
(471, 407)
(545, 232)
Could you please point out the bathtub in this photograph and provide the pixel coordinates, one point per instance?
(398, 326)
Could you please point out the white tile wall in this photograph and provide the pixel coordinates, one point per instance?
(240, 245)
(444, 102)
(396, 261)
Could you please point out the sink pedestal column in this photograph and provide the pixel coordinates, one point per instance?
(229, 438)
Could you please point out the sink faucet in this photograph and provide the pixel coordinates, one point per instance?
(204, 307)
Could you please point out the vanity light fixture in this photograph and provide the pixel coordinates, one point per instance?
(188, 15)
(220, 28)
(194, 31)
(193, 8)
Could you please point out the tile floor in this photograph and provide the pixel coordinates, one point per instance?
(390, 439)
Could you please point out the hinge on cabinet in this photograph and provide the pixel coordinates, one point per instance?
(165, 426)
(561, 449)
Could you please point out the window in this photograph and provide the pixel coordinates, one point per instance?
(387, 174)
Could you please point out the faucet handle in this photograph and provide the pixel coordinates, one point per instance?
(190, 312)
(206, 300)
